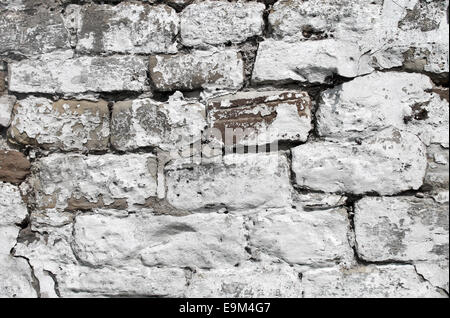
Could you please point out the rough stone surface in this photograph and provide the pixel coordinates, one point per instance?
(126, 28)
(216, 22)
(14, 166)
(13, 211)
(29, 34)
(195, 241)
(15, 276)
(311, 61)
(437, 176)
(408, 34)
(64, 124)
(122, 282)
(401, 229)
(261, 118)
(384, 281)
(29, 5)
(317, 238)
(172, 125)
(224, 148)
(6, 107)
(317, 19)
(411, 34)
(52, 251)
(64, 73)
(248, 280)
(199, 69)
(435, 272)
(77, 182)
(407, 102)
(386, 163)
(264, 178)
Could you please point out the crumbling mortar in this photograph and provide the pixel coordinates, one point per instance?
(27, 223)
(247, 248)
(55, 282)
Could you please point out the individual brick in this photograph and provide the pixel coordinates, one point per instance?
(259, 118)
(317, 238)
(318, 19)
(412, 36)
(196, 241)
(6, 107)
(423, 15)
(132, 281)
(216, 22)
(65, 124)
(172, 125)
(372, 281)
(263, 178)
(32, 33)
(249, 280)
(310, 61)
(389, 162)
(126, 28)
(379, 100)
(63, 73)
(77, 182)
(219, 69)
(14, 166)
(401, 229)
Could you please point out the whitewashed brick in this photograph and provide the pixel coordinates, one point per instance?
(217, 22)
(379, 100)
(401, 229)
(247, 281)
(77, 182)
(387, 163)
(64, 124)
(197, 241)
(220, 69)
(310, 61)
(126, 28)
(240, 182)
(64, 73)
(172, 125)
(316, 238)
(384, 281)
(259, 118)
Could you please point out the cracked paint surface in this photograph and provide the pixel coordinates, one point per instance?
(117, 179)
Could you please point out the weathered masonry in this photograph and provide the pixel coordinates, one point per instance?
(215, 148)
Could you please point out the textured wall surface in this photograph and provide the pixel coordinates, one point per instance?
(188, 148)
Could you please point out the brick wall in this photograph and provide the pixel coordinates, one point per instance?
(224, 148)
